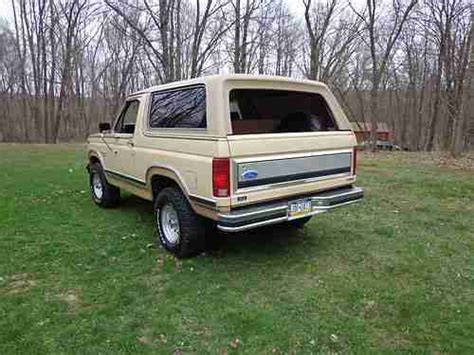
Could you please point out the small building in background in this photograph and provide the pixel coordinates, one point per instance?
(362, 131)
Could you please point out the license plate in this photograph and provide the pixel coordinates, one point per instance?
(299, 208)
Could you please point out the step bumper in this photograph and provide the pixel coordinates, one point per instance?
(277, 212)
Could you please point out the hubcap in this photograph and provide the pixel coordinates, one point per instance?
(169, 223)
(97, 186)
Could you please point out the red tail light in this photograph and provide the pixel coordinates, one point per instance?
(221, 177)
(354, 160)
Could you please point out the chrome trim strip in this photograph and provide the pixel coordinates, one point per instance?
(125, 176)
(253, 225)
(253, 213)
(354, 191)
(181, 135)
(195, 198)
(327, 208)
(283, 156)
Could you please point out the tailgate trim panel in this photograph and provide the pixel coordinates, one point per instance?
(275, 171)
(292, 177)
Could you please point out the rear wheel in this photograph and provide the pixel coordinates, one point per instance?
(102, 193)
(180, 230)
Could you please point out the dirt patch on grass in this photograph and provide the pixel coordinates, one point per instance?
(73, 300)
(152, 341)
(19, 283)
(145, 340)
(70, 297)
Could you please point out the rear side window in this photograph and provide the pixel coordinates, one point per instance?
(254, 111)
(182, 108)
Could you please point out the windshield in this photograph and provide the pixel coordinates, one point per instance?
(254, 111)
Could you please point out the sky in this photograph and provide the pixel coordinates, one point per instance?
(6, 9)
(295, 6)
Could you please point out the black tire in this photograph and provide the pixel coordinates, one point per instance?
(192, 228)
(300, 222)
(110, 194)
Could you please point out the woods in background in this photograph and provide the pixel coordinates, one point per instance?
(66, 65)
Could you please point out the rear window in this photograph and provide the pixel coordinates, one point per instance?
(181, 108)
(254, 111)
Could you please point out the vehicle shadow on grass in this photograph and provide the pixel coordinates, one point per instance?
(135, 204)
(275, 240)
(272, 240)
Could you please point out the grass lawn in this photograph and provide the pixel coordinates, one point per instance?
(395, 273)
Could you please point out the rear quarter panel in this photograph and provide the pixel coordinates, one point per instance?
(189, 158)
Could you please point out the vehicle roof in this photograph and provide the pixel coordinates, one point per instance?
(229, 77)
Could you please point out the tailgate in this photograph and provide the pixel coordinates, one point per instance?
(273, 166)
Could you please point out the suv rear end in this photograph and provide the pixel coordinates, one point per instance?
(243, 151)
(291, 153)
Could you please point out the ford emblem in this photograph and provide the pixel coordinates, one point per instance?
(249, 174)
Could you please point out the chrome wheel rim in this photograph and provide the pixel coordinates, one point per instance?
(97, 186)
(170, 223)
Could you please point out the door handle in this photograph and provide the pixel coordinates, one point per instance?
(131, 144)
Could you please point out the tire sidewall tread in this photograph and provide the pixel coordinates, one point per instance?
(192, 227)
(111, 194)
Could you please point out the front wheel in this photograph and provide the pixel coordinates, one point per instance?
(103, 194)
(180, 230)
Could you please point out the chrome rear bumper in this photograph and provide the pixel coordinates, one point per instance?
(276, 212)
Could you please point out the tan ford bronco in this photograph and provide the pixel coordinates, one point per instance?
(234, 152)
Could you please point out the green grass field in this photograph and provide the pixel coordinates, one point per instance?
(395, 273)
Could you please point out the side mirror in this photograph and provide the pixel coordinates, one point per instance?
(104, 126)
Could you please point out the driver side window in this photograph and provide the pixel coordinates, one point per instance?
(128, 118)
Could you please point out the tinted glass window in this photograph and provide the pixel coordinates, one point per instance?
(128, 118)
(184, 108)
(278, 111)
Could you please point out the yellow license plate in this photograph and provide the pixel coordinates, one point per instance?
(299, 208)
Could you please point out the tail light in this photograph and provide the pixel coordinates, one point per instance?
(221, 177)
(354, 160)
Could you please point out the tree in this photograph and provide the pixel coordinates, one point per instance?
(382, 33)
(317, 28)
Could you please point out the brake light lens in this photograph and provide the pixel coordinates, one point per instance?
(221, 177)
(354, 160)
